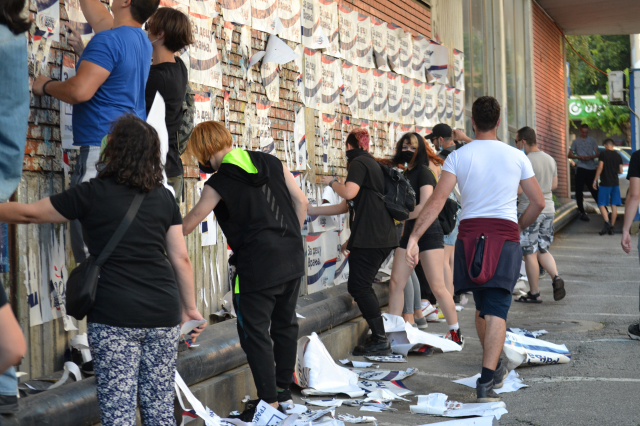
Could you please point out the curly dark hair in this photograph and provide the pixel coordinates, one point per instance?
(10, 16)
(485, 113)
(132, 154)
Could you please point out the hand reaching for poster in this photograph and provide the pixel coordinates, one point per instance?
(74, 40)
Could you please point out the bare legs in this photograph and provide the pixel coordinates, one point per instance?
(448, 267)
(400, 273)
(531, 262)
(432, 261)
(605, 214)
(491, 331)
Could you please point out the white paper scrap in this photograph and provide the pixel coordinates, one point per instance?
(477, 421)
(190, 325)
(299, 316)
(511, 383)
(324, 402)
(353, 419)
(69, 368)
(267, 415)
(386, 358)
(357, 364)
(371, 408)
(297, 409)
(397, 387)
(434, 403)
(385, 375)
(404, 336)
(529, 351)
(383, 395)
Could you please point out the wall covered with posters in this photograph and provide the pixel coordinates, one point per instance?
(348, 67)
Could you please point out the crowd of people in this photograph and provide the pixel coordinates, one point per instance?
(492, 217)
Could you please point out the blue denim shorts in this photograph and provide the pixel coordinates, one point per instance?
(492, 301)
(450, 240)
(609, 196)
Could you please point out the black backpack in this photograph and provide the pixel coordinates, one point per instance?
(188, 117)
(448, 214)
(399, 198)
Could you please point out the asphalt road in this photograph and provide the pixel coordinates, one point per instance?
(601, 384)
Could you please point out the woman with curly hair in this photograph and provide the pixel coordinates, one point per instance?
(145, 289)
(413, 152)
(373, 233)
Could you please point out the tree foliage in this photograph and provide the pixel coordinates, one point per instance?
(612, 119)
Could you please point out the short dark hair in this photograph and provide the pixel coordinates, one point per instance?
(141, 10)
(132, 154)
(10, 16)
(485, 113)
(175, 25)
(608, 141)
(584, 125)
(528, 135)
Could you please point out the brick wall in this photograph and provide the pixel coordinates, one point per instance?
(550, 94)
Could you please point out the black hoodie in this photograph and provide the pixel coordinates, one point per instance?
(257, 216)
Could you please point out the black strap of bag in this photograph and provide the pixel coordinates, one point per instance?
(122, 228)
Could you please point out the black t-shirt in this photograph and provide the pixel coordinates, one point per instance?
(137, 286)
(419, 177)
(371, 224)
(3, 296)
(611, 169)
(170, 79)
(634, 166)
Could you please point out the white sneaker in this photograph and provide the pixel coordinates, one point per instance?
(432, 317)
(459, 308)
(428, 309)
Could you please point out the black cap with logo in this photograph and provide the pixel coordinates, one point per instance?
(440, 131)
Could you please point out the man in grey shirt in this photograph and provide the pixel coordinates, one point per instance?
(585, 150)
(537, 238)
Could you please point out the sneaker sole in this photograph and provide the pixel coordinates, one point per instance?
(633, 336)
(488, 399)
(501, 382)
(422, 327)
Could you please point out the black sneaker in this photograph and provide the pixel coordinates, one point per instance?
(485, 392)
(456, 336)
(500, 374)
(284, 396)
(584, 217)
(612, 231)
(605, 228)
(87, 368)
(634, 331)
(456, 298)
(377, 343)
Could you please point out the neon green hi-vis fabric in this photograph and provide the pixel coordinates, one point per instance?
(240, 158)
(236, 290)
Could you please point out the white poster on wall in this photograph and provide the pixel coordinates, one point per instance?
(236, 11)
(204, 56)
(299, 137)
(431, 104)
(200, 7)
(394, 34)
(442, 103)
(450, 99)
(66, 110)
(329, 23)
(439, 61)
(203, 108)
(458, 110)
(267, 144)
(313, 35)
(458, 69)
(364, 44)
(394, 96)
(348, 19)
(77, 20)
(312, 79)
(48, 19)
(406, 54)
(419, 45)
(331, 82)
(289, 14)
(380, 102)
(350, 87)
(406, 85)
(379, 42)
(419, 95)
(264, 14)
(365, 93)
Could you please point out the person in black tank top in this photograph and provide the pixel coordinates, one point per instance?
(261, 210)
(373, 233)
(412, 151)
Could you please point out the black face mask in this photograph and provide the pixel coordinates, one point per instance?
(351, 154)
(406, 156)
(206, 168)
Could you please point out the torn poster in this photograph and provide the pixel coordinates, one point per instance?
(58, 278)
(419, 94)
(394, 34)
(385, 375)
(442, 103)
(342, 261)
(329, 23)
(396, 387)
(317, 370)
(527, 333)
(364, 44)
(209, 226)
(357, 364)
(405, 337)
(394, 95)
(289, 14)
(420, 45)
(312, 79)
(406, 53)
(245, 51)
(365, 93)
(380, 102)
(438, 61)
(267, 144)
(300, 141)
(326, 131)
(458, 110)
(228, 36)
(201, 7)
(407, 100)
(226, 109)
(48, 19)
(379, 42)
(331, 82)
(204, 56)
(510, 384)
(183, 6)
(521, 350)
(267, 415)
(430, 104)
(313, 35)
(33, 290)
(348, 33)
(236, 11)
(77, 20)
(264, 14)
(458, 69)
(203, 107)
(270, 74)
(449, 110)
(66, 110)
(386, 358)
(321, 259)
(350, 87)
(205, 413)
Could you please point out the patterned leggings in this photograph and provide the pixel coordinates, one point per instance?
(132, 362)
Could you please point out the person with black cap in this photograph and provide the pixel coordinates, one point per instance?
(447, 140)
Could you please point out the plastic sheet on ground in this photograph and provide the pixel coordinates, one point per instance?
(405, 338)
(386, 358)
(526, 333)
(383, 395)
(348, 418)
(324, 402)
(511, 384)
(357, 364)
(474, 421)
(521, 350)
(395, 386)
(385, 375)
(306, 418)
(318, 374)
(437, 404)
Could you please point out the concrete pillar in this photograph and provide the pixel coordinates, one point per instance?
(635, 90)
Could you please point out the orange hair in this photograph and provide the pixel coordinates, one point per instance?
(208, 138)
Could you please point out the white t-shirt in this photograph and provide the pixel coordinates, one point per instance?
(488, 174)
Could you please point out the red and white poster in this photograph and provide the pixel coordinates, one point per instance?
(204, 56)
(438, 65)
(201, 7)
(406, 54)
(379, 41)
(442, 103)
(394, 97)
(419, 95)
(458, 69)
(364, 44)
(289, 14)
(380, 102)
(365, 93)
(350, 87)
(203, 105)
(394, 34)
(236, 11)
(348, 33)
(420, 44)
(263, 15)
(329, 24)
(270, 74)
(431, 104)
(450, 99)
(458, 110)
(312, 79)
(407, 100)
(331, 82)
(313, 35)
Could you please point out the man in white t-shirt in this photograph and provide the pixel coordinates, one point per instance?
(487, 252)
(537, 238)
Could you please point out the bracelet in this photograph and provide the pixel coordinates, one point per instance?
(331, 183)
(44, 87)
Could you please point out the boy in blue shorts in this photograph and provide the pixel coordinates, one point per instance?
(609, 167)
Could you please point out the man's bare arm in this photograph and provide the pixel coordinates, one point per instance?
(533, 192)
(96, 15)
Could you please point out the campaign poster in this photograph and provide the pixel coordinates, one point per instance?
(350, 87)
(329, 24)
(77, 20)
(442, 103)
(203, 107)
(312, 79)
(379, 42)
(364, 44)
(348, 33)
(380, 101)
(331, 82)
(406, 54)
(48, 19)
(431, 104)
(289, 14)
(394, 34)
(419, 48)
(365, 93)
(327, 122)
(458, 110)
(439, 61)
(406, 85)
(300, 141)
(313, 36)
(458, 69)
(58, 274)
(322, 250)
(270, 74)
(419, 103)
(203, 54)
(236, 11)
(394, 96)
(66, 110)
(267, 144)
(200, 7)
(263, 15)
(450, 99)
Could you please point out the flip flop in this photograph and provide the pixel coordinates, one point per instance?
(558, 288)
(529, 298)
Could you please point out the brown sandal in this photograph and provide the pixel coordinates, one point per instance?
(529, 298)
(558, 288)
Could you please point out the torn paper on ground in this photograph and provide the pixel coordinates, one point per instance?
(383, 395)
(69, 368)
(267, 415)
(477, 421)
(521, 350)
(526, 333)
(434, 403)
(437, 404)
(324, 402)
(386, 358)
(404, 337)
(357, 364)
(318, 374)
(297, 409)
(385, 375)
(353, 419)
(205, 413)
(396, 386)
(307, 418)
(511, 383)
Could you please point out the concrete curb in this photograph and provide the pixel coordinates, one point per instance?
(566, 214)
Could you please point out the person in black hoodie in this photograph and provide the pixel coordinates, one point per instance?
(261, 210)
(373, 233)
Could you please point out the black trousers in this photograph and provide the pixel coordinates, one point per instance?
(268, 330)
(364, 264)
(584, 177)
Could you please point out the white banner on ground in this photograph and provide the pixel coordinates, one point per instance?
(364, 44)
(521, 350)
(236, 11)
(289, 14)
(348, 19)
(204, 57)
(379, 41)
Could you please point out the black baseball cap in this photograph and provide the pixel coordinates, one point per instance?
(440, 131)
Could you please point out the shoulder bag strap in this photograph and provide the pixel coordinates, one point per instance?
(122, 228)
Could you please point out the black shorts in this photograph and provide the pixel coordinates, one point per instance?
(492, 301)
(432, 239)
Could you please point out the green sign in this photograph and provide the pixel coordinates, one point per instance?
(583, 106)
